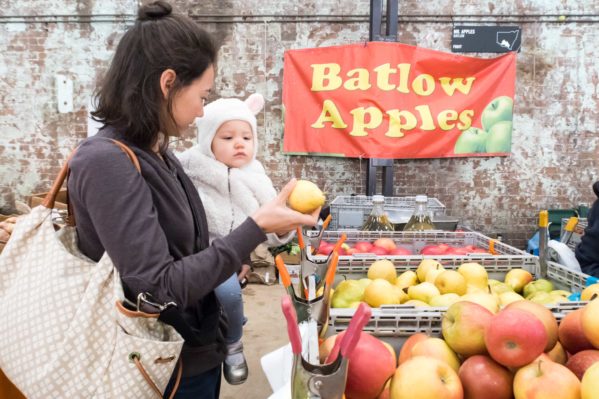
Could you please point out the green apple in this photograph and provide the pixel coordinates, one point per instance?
(346, 293)
(500, 109)
(444, 300)
(499, 288)
(499, 138)
(542, 298)
(471, 141)
(540, 285)
(423, 292)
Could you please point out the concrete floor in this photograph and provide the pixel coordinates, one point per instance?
(264, 332)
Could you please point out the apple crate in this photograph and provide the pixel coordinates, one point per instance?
(350, 212)
(505, 257)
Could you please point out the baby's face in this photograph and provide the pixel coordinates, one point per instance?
(233, 144)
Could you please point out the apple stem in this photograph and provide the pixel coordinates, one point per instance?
(540, 361)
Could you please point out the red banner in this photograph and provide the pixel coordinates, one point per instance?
(391, 100)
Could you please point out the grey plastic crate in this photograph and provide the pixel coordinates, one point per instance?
(506, 257)
(350, 212)
(401, 321)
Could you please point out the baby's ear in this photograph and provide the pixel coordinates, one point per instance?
(255, 103)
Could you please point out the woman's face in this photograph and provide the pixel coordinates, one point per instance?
(188, 103)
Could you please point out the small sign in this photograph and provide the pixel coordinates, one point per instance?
(485, 39)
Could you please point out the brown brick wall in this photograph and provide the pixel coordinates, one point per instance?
(555, 155)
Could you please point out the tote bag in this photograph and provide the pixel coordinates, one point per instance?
(65, 332)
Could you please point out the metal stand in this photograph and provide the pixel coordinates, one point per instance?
(376, 22)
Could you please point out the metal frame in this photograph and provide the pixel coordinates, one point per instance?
(375, 24)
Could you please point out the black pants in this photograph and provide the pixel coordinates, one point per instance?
(202, 386)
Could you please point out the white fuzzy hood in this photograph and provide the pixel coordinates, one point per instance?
(229, 195)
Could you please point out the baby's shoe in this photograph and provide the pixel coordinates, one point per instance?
(235, 367)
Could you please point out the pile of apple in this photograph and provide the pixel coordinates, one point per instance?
(432, 285)
(519, 352)
(386, 246)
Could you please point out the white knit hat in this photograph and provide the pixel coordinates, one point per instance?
(223, 110)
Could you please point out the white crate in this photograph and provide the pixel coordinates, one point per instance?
(401, 321)
(506, 257)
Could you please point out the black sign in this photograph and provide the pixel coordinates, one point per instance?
(485, 39)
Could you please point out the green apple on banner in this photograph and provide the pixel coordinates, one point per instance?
(471, 141)
(500, 137)
(500, 109)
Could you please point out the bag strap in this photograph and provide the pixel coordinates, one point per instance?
(151, 382)
(50, 198)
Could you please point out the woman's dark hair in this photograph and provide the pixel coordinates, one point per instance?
(130, 98)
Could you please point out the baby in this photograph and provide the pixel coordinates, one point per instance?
(232, 185)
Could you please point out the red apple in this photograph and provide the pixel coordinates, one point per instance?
(457, 251)
(483, 378)
(546, 379)
(378, 250)
(406, 349)
(544, 314)
(371, 364)
(464, 326)
(385, 242)
(434, 249)
(325, 248)
(400, 251)
(571, 335)
(581, 361)
(363, 247)
(515, 337)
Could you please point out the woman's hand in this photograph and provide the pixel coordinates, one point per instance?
(276, 217)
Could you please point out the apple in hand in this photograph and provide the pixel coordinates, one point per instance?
(500, 109)
(471, 141)
(499, 138)
(546, 379)
(570, 333)
(515, 337)
(483, 378)
(464, 326)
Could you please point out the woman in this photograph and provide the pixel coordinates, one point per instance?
(153, 225)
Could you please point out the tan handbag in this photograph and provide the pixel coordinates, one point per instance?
(65, 332)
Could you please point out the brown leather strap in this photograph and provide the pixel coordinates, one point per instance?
(50, 198)
(133, 313)
(151, 382)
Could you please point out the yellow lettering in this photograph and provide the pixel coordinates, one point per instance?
(399, 121)
(360, 124)
(382, 76)
(423, 85)
(329, 113)
(358, 83)
(404, 74)
(446, 116)
(465, 119)
(426, 116)
(325, 77)
(450, 85)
